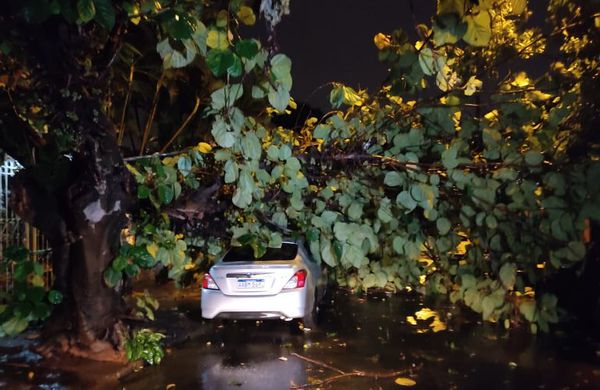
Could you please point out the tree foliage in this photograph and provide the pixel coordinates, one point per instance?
(471, 173)
(464, 176)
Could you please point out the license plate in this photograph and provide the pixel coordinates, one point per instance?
(247, 284)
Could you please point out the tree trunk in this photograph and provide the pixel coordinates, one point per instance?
(82, 217)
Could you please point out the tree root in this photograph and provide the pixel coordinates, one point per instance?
(343, 374)
(68, 344)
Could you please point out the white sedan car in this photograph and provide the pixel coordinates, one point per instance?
(285, 283)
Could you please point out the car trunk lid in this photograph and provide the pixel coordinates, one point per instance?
(252, 278)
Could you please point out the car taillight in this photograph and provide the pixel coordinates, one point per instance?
(208, 282)
(296, 281)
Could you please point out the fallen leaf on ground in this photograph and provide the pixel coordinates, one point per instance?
(405, 382)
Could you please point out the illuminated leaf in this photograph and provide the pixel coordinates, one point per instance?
(407, 382)
(381, 41)
(518, 6)
(15, 325)
(521, 80)
(446, 79)
(203, 147)
(431, 62)
(473, 85)
(217, 39)
(246, 16)
(479, 29)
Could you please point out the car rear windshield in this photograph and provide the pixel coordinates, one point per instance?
(287, 251)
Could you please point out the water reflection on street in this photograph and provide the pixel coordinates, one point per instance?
(375, 334)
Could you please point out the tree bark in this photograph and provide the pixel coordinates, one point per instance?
(82, 218)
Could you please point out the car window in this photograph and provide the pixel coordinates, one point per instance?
(288, 251)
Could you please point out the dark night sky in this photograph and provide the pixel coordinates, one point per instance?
(332, 40)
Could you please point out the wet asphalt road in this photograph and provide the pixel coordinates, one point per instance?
(378, 334)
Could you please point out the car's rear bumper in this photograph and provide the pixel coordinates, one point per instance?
(286, 304)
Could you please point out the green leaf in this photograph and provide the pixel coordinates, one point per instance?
(533, 157)
(231, 171)
(398, 244)
(458, 7)
(384, 213)
(448, 28)
(369, 281)
(355, 211)
(219, 61)
(251, 147)
(119, 263)
(226, 96)
(105, 13)
(327, 253)
(321, 132)
(143, 191)
(353, 256)
(281, 66)
(184, 164)
(431, 62)
(279, 98)
(235, 69)
(508, 275)
(40, 311)
(491, 221)
(577, 250)
(112, 277)
(173, 58)
(443, 225)
(246, 48)
(15, 325)
(177, 24)
(393, 179)
(527, 309)
(341, 94)
(165, 193)
(449, 159)
(220, 131)
(407, 201)
(285, 152)
(86, 10)
(55, 297)
(36, 294)
(479, 29)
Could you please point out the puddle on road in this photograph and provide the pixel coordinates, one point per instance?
(435, 347)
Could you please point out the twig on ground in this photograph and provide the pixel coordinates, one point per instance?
(343, 374)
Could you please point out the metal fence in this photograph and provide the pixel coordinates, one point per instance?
(14, 231)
